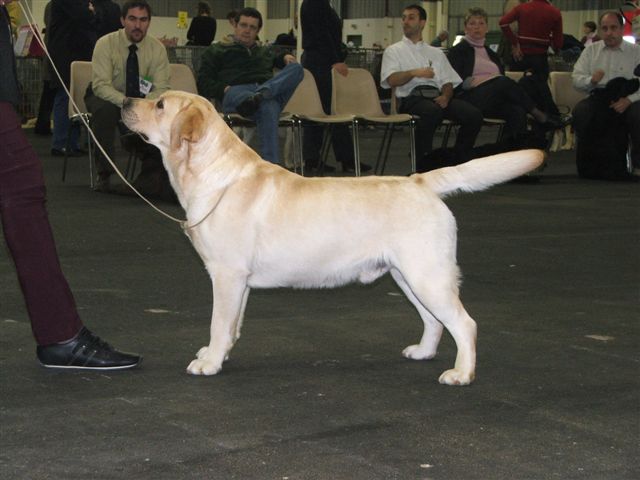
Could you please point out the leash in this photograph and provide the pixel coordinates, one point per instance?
(183, 223)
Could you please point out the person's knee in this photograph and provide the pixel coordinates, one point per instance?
(472, 117)
(297, 71)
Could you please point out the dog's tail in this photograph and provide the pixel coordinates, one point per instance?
(483, 172)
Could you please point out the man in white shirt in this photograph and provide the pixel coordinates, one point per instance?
(424, 81)
(599, 63)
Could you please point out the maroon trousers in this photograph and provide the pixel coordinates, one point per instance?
(49, 301)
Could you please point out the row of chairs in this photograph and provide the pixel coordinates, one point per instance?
(355, 102)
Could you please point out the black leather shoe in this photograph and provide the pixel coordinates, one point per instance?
(555, 122)
(349, 167)
(85, 351)
(250, 105)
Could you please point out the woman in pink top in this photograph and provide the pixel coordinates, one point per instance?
(485, 85)
(589, 29)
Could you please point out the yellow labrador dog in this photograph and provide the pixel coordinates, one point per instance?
(259, 225)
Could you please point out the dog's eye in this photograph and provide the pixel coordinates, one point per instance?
(160, 104)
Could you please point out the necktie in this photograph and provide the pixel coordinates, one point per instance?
(132, 73)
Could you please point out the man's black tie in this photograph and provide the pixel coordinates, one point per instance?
(133, 73)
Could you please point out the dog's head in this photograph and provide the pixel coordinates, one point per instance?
(169, 120)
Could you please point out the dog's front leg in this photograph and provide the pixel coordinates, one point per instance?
(230, 292)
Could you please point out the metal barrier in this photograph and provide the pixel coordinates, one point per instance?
(29, 70)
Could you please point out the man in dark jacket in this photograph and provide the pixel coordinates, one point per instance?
(63, 342)
(107, 17)
(240, 76)
(71, 36)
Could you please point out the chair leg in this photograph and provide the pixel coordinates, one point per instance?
(447, 133)
(382, 145)
(324, 149)
(500, 133)
(66, 152)
(412, 137)
(356, 146)
(298, 127)
(390, 128)
(90, 153)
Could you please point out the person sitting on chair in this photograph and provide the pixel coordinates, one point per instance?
(485, 85)
(240, 76)
(613, 106)
(146, 74)
(424, 82)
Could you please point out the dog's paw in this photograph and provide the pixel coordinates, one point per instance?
(456, 377)
(414, 352)
(201, 366)
(202, 353)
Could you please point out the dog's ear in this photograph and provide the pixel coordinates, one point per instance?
(188, 125)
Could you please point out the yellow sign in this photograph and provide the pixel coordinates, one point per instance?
(182, 19)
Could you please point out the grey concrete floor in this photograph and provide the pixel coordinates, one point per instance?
(317, 388)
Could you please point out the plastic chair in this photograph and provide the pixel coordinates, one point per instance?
(565, 96)
(80, 79)
(182, 78)
(356, 94)
(303, 108)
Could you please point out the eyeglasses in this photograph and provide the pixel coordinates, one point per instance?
(253, 28)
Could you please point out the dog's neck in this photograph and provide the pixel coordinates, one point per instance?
(200, 172)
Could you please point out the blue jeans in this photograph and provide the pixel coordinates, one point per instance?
(61, 123)
(277, 91)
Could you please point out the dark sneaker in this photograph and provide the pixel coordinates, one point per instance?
(85, 351)
(250, 105)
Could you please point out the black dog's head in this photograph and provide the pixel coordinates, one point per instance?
(617, 88)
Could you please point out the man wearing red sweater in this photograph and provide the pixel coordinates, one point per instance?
(539, 27)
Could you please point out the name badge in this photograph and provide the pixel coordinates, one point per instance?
(145, 86)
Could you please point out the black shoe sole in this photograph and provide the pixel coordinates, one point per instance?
(74, 367)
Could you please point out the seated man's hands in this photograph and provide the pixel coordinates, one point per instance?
(341, 68)
(621, 104)
(516, 52)
(288, 58)
(597, 76)
(426, 72)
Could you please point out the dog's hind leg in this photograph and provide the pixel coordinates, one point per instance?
(230, 293)
(438, 294)
(428, 346)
